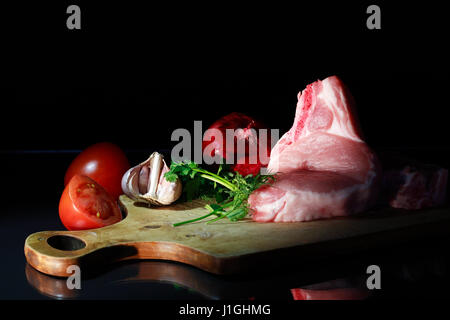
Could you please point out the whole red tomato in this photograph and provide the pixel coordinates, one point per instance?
(85, 204)
(103, 162)
(245, 124)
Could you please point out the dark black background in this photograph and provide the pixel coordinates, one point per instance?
(135, 73)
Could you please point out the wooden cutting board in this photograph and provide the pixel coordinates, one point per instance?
(225, 247)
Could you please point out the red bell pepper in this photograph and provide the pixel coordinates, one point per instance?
(245, 123)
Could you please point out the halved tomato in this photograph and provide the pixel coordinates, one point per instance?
(85, 204)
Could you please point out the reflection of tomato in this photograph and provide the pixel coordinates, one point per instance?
(85, 204)
(104, 162)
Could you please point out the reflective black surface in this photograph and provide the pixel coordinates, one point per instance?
(418, 269)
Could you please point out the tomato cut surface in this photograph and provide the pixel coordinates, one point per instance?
(85, 204)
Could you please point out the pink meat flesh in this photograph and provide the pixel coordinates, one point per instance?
(324, 167)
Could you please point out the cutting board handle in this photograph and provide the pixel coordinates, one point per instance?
(52, 252)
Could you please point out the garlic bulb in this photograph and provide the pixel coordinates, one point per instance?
(146, 182)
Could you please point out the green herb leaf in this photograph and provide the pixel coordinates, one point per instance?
(229, 189)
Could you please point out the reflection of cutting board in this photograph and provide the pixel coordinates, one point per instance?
(224, 247)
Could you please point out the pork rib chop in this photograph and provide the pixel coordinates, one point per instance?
(416, 186)
(324, 168)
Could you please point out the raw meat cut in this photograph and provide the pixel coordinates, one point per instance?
(416, 186)
(410, 184)
(324, 168)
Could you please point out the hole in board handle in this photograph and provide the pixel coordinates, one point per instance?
(66, 243)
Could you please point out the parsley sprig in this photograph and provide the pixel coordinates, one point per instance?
(230, 190)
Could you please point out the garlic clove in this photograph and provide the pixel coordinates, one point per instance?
(156, 163)
(166, 193)
(143, 179)
(146, 182)
(130, 183)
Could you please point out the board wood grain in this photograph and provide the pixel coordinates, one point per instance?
(224, 247)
